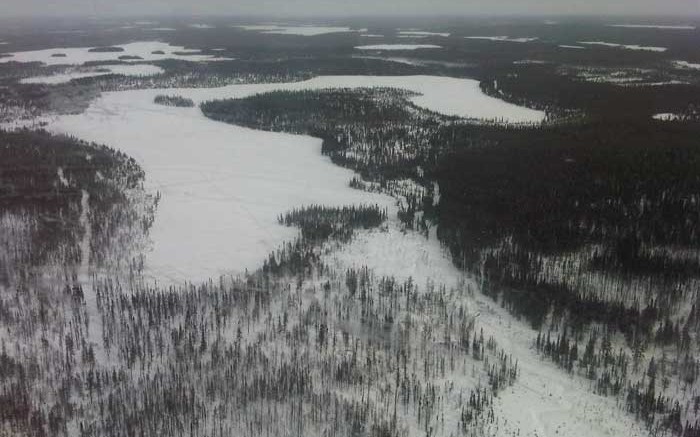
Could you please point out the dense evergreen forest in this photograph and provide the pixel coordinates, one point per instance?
(580, 228)
(585, 227)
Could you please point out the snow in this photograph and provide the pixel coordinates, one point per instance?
(565, 46)
(686, 64)
(398, 47)
(371, 35)
(624, 46)
(126, 70)
(223, 186)
(544, 401)
(504, 38)
(295, 30)
(654, 26)
(78, 56)
(666, 116)
(420, 33)
(201, 26)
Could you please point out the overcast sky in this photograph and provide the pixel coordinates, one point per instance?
(348, 7)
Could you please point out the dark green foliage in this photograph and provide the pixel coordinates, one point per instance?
(174, 101)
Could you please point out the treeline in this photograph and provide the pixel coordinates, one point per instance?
(319, 223)
(178, 101)
(43, 178)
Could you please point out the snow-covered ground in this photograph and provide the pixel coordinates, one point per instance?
(201, 26)
(504, 38)
(544, 402)
(223, 186)
(686, 64)
(398, 47)
(296, 30)
(420, 33)
(666, 116)
(566, 46)
(78, 56)
(624, 46)
(654, 26)
(126, 70)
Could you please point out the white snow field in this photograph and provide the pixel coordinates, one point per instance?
(296, 30)
(139, 70)
(504, 38)
(81, 55)
(654, 26)
(686, 65)
(398, 47)
(624, 46)
(545, 401)
(223, 186)
(421, 33)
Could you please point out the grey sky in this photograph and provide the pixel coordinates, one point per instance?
(349, 7)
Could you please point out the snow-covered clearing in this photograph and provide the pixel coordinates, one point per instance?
(654, 26)
(544, 401)
(296, 30)
(420, 33)
(398, 47)
(223, 186)
(686, 65)
(667, 116)
(139, 70)
(201, 26)
(624, 46)
(504, 38)
(146, 51)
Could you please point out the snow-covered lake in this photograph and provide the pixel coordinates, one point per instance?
(398, 47)
(504, 38)
(223, 186)
(146, 51)
(276, 29)
(624, 46)
(138, 70)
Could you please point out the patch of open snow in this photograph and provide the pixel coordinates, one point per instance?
(420, 33)
(565, 46)
(223, 186)
(504, 38)
(201, 26)
(666, 116)
(81, 55)
(398, 47)
(62, 177)
(654, 26)
(296, 30)
(624, 46)
(126, 70)
(686, 64)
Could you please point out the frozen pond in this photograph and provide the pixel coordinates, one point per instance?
(223, 186)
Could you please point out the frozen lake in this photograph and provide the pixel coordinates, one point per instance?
(223, 186)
